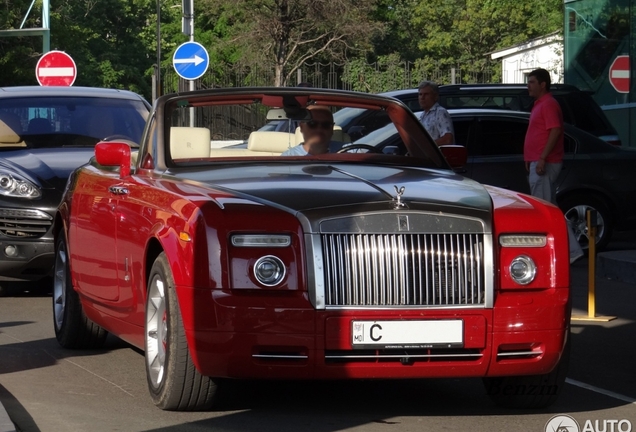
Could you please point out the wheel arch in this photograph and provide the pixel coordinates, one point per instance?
(590, 193)
(153, 250)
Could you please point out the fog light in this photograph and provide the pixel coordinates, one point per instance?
(11, 251)
(269, 270)
(523, 270)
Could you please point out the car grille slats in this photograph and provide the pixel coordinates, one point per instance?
(16, 223)
(403, 269)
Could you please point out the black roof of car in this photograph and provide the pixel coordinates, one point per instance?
(47, 91)
(453, 88)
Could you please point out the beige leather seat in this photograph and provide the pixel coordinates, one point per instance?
(189, 142)
(338, 135)
(10, 128)
(269, 142)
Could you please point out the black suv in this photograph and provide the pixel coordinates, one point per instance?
(579, 108)
(45, 133)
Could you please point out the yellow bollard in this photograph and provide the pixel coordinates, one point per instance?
(591, 273)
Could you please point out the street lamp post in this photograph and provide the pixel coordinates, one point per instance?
(187, 24)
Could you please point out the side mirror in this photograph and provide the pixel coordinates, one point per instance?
(456, 155)
(114, 153)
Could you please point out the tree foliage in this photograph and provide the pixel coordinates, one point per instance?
(114, 42)
(284, 34)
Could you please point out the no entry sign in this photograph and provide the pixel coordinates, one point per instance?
(56, 68)
(619, 74)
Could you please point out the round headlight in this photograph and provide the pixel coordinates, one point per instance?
(6, 182)
(269, 270)
(523, 270)
(13, 185)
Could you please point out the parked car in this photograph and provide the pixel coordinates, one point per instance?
(242, 263)
(45, 133)
(596, 175)
(579, 108)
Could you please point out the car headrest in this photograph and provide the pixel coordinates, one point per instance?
(270, 141)
(39, 125)
(338, 135)
(189, 142)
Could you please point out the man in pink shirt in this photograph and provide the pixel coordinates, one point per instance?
(543, 146)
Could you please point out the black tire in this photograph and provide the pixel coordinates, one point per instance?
(575, 207)
(173, 381)
(72, 328)
(532, 391)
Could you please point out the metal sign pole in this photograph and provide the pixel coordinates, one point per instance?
(188, 29)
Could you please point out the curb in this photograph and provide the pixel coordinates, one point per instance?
(6, 425)
(617, 265)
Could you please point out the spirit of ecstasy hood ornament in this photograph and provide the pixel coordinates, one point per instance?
(397, 201)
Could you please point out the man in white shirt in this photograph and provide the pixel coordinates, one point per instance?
(317, 133)
(436, 120)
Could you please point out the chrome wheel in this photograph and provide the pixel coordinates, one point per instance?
(577, 218)
(156, 331)
(59, 286)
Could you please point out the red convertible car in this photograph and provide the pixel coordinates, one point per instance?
(241, 261)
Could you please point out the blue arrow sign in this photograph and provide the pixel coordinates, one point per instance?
(190, 60)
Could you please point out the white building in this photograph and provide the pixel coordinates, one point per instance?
(518, 61)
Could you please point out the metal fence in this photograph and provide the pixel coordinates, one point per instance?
(228, 124)
(367, 77)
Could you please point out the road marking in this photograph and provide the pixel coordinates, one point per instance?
(601, 391)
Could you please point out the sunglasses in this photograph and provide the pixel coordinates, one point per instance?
(324, 124)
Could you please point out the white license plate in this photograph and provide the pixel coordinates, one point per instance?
(407, 334)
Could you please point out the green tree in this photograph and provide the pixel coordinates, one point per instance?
(284, 34)
(455, 32)
(104, 40)
(18, 55)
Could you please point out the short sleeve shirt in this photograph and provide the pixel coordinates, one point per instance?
(298, 150)
(545, 115)
(437, 122)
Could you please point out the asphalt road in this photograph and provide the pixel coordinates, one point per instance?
(46, 388)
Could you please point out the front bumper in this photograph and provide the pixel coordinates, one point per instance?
(32, 261)
(259, 336)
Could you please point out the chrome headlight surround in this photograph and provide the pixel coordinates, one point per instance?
(261, 240)
(523, 270)
(13, 185)
(269, 270)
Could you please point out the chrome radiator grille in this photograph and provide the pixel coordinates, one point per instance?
(403, 269)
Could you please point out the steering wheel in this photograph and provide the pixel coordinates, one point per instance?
(369, 148)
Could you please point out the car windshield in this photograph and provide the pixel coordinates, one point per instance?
(378, 136)
(206, 131)
(346, 115)
(49, 122)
